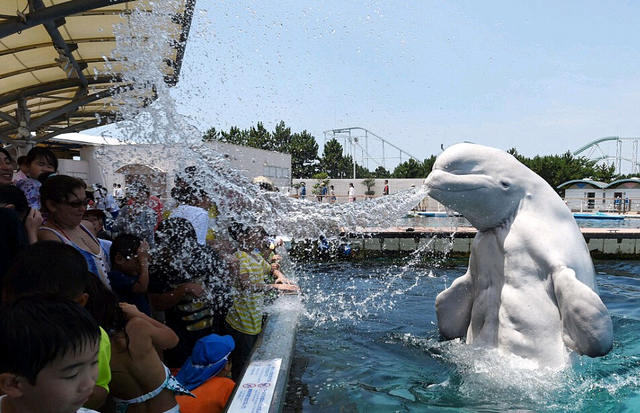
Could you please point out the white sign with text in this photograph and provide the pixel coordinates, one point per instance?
(255, 391)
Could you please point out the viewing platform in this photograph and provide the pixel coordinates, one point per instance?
(602, 242)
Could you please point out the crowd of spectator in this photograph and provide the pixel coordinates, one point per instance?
(166, 309)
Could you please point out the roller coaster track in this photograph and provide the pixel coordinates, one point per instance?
(367, 149)
(594, 151)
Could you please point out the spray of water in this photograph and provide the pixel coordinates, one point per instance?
(150, 117)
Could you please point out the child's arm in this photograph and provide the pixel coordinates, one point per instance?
(32, 223)
(140, 287)
(161, 335)
(280, 278)
(281, 285)
(171, 298)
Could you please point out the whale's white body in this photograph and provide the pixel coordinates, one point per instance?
(530, 289)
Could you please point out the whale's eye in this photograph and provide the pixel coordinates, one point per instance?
(505, 184)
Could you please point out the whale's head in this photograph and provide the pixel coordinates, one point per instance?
(485, 185)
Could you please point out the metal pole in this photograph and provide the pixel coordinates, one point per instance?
(353, 145)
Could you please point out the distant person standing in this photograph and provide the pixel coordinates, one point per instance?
(119, 193)
(385, 191)
(352, 193)
(333, 195)
(323, 192)
(303, 190)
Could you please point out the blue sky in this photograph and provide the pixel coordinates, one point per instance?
(543, 77)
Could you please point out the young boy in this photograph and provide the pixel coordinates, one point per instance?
(206, 373)
(54, 267)
(48, 355)
(39, 160)
(129, 275)
(96, 217)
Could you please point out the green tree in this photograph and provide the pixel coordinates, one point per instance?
(281, 139)
(303, 149)
(427, 165)
(212, 135)
(321, 178)
(381, 172)
(235, 136)
(409, 169)
(333, 162)
(558, 169)
(362, 172)
(369, 183)
(605, 173)
(260, 138)
(347, 166)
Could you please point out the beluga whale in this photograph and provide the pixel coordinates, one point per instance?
(530, 289)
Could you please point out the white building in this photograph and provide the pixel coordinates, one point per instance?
(108, 161)
(584, 195)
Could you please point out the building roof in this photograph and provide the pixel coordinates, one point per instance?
(629, 183)
(581, 183)
(57, 73)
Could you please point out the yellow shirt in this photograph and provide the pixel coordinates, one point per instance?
(245, 314)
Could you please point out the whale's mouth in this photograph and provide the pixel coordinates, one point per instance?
(454, 188)
(442, 181)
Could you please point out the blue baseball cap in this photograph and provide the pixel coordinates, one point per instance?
(209, 356)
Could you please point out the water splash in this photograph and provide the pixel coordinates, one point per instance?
(150, 117)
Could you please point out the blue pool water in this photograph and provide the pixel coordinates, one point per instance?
(458, 221)
(369, 343)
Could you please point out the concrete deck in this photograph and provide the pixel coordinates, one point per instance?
(602, 242)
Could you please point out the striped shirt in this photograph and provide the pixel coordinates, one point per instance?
(245, 314)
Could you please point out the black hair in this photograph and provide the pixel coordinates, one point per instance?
(175, 233)
(103, 304)
(57, 188)
(124, 245)
(10, 194)
(45, 175)
(137, 187)
(46, 266)
(7, 154)
(236, 229)
(45, 153)
(38, 329)
(188, 187)
(22, 160)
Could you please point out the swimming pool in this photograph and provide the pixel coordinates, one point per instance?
(457, 221)
(368, 342)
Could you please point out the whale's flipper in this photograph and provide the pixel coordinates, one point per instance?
(453, 307)
(586, 325)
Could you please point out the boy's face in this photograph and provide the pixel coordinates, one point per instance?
(129, 265)
(95, 220)
(65, 384)
(38, 166)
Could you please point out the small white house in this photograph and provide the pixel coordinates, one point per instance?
(583, 195)
(624, 195)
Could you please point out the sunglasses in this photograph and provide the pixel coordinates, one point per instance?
(77, 203)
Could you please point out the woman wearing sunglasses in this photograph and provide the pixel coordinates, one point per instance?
(64, 201)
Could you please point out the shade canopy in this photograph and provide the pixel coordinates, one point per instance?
(57, 72)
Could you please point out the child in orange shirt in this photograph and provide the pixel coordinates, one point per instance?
(205, 375)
